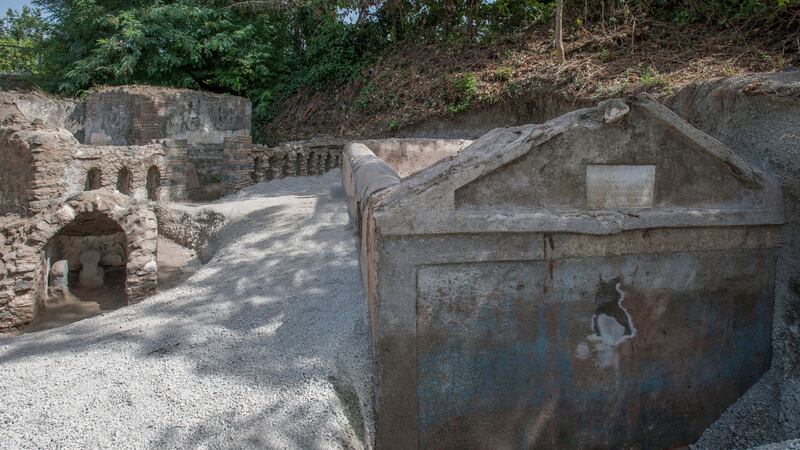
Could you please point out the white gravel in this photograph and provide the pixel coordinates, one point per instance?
(266, 346)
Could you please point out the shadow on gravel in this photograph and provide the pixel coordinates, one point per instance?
(282, 311)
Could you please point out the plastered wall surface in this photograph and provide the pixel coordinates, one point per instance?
(507, 309)
(372, 165)
(213, 130)
(136, 115)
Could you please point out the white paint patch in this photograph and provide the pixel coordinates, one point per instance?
(611, 331)
(627, 314)
(610, 334)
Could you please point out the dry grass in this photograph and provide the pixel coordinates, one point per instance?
(416, 82)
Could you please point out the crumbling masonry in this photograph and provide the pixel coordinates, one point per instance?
(80, 182)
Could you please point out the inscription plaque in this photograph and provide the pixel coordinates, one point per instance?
(618, 186)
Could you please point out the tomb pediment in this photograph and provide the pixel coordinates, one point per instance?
(620, 165)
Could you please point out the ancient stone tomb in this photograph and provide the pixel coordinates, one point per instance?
(79, 221)
(211, 133)
(105, 239)
(605, 279)
(111, 159)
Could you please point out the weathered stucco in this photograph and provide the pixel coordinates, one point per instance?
(138, 115)
(507, 311)
(372, 165)
(408, 156)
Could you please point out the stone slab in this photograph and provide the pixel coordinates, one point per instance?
(620, 186)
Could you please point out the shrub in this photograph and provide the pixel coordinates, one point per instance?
(463, 90)
(503, 73)
(651, 77)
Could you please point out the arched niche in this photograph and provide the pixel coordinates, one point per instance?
(153, 183)
(124, 181)
(85, 265)
(99, 212)
(93, 179)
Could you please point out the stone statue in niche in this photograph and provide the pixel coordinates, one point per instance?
(92, 274)
(57, 284)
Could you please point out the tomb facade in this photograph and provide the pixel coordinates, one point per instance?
(80, 216)
(605, 279)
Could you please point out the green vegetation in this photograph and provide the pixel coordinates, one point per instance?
(272, 49)
(650, 78)
(503, 73)
(20, 35)
(724, 12)
(463, 91)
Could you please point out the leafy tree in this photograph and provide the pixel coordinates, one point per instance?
(270, 48)
(179, 44)
(20, 35)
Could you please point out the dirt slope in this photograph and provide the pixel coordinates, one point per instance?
(416, 83)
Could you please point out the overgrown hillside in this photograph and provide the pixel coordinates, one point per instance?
(414, 82)
(369, 67)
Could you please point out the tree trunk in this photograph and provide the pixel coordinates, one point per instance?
(559, 43)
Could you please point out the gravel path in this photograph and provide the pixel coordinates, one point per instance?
(266, 346)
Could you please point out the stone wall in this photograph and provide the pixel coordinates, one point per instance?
(296, 158)
(16, 175)
(199, 141)
(214, 130)
(46, 165)
(52, 111)
(190, 227)
(408, 156)
(602, 280)
(364, 174)
(24, 261)
(218, 169)
(137, 115)
(372, 165)
(146, 145)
